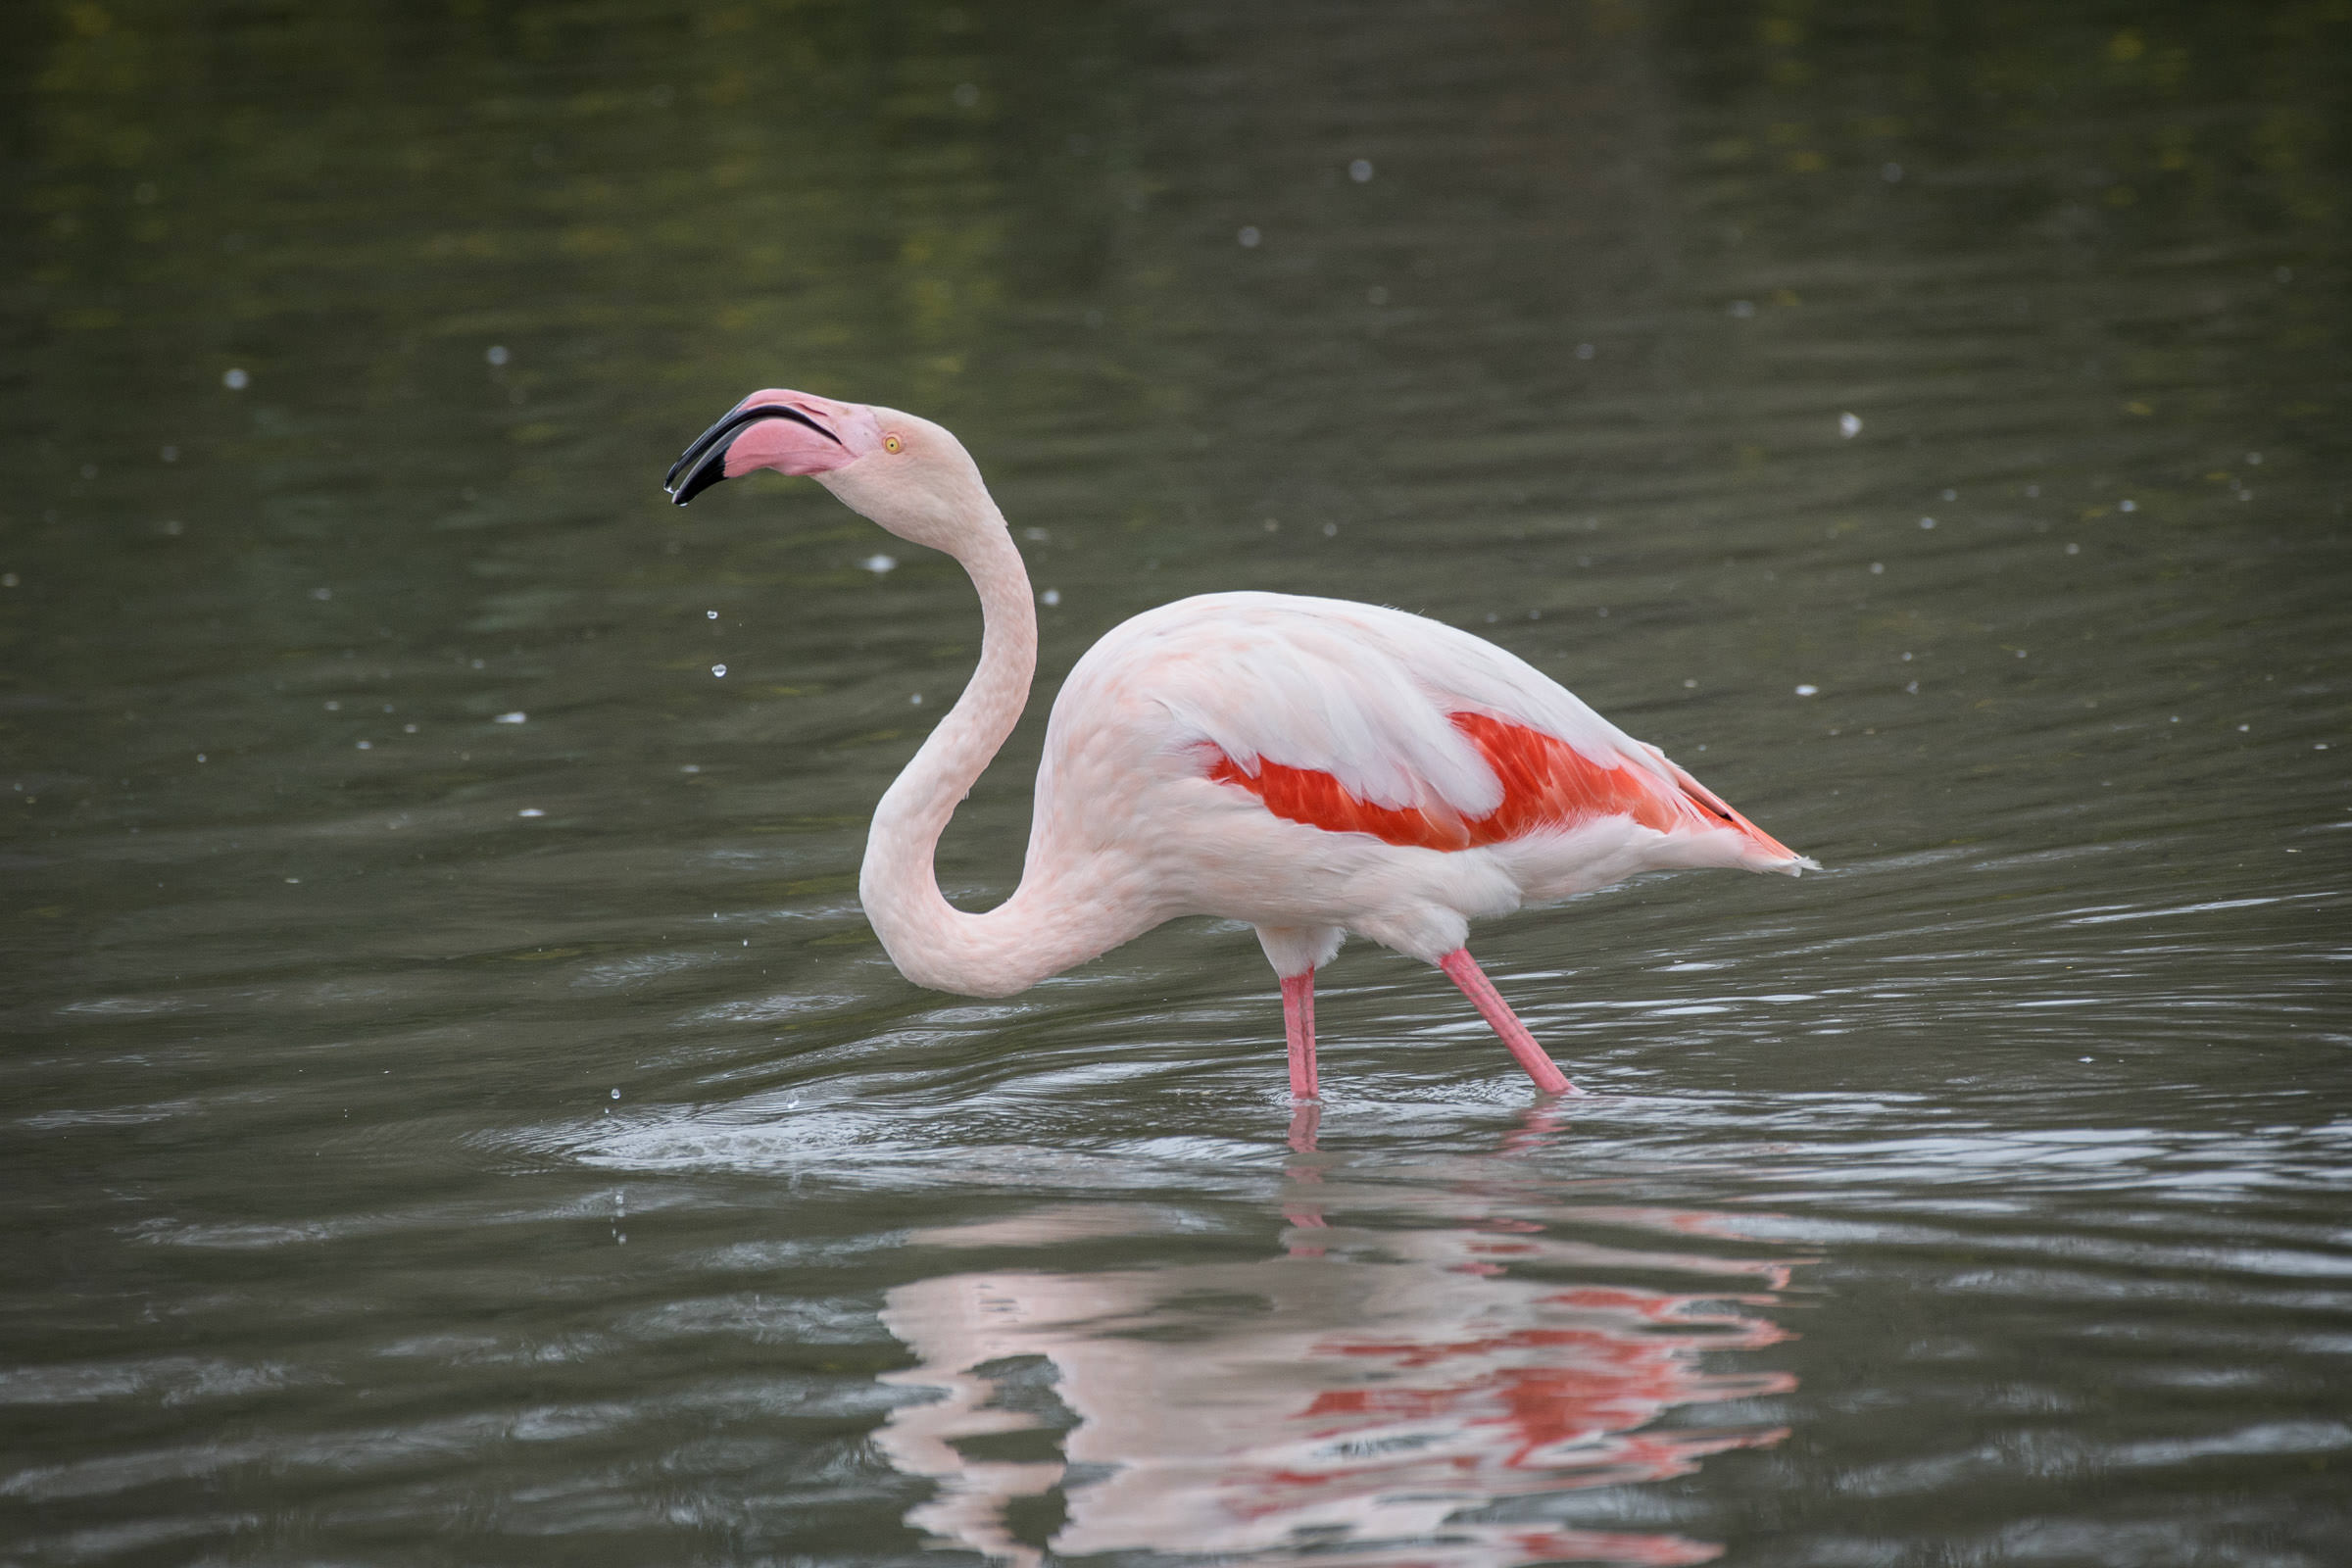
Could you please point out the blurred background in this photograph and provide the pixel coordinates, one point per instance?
(455, 1109)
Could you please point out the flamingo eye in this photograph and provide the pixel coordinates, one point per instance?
(891, 443)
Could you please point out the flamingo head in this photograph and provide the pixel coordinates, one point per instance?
(906, 473)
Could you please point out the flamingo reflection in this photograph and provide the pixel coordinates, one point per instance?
(1353, 1395)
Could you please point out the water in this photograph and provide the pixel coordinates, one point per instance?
(455, 1110)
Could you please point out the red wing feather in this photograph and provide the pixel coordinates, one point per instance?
(1546, 784)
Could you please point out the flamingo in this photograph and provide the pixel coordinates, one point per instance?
(1311, 767)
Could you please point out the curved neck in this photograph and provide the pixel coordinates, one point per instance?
(1034, 933)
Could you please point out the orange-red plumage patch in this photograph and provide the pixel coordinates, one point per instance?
(1546, 784)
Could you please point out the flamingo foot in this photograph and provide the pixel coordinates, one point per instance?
(1298, 1027)
(1463, 971)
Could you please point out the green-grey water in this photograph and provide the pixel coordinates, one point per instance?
(452, 1108)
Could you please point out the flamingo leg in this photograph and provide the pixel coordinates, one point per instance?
(1298, 1027)
(1463, 971)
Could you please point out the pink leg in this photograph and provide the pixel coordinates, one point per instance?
(1298, 1026)
(1463, 971)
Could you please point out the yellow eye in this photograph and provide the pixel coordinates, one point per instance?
(890, 443)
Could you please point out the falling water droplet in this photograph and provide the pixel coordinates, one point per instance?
(721, 671)
(1360, 171)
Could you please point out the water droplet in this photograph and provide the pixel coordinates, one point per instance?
(916, 701)
(1330, 528)
(7, 579)
(1808, 691)
(1849, 424)
(1248, 238)
(2074, 550)
(1878, 568)
(1360, 171)
(710, 615)
(721, 671)
(516, 717)
(367, 746)
(530, 810)
(323, 595)
(234, 379)
(616, 1094)
(691, 767)
(496, 354)
(293, 881)
(1743, 309)
(1690, 685)
(2126, 504)
(878, 564)
(1049, 597)
(1912, 688)
(1584, 350)
(407, 729)
(1927, 522)
(2254, 457)
(200, 756)
(2243, 728)
(2033, 490)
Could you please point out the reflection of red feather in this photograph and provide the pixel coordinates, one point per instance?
(1561, 1399)
(1546, 784)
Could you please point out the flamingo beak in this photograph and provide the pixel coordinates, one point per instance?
(755, 435)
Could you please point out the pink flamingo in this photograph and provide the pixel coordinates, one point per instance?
(1312, 766)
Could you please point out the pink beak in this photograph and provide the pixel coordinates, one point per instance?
(792, 432)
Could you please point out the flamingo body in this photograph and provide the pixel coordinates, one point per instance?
(1315, 765)
(1311, 767)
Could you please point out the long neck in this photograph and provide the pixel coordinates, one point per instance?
(1035, 932)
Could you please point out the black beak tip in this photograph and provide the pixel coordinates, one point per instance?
(708, 473)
